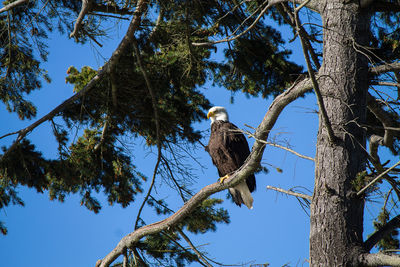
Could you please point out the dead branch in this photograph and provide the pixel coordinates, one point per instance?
(249, 167)
(249, 134)
(127, 40)
(86, 6)
(290, 192)
(290, 150)
(12, 5)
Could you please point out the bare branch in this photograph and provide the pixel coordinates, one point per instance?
(86, 5)
(103, 134)
(12, 5)
(278, 146)
(127, 40)
(289, 192)
(381, 233)
(385, 68)
(290, 150)
(379, 259)
(377, 178)
(374, 142)
(386, 84)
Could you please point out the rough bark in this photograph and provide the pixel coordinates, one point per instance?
(336, 214)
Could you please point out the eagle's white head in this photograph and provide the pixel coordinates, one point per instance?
(217, 114)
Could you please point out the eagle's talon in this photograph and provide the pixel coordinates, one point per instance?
(222, 179)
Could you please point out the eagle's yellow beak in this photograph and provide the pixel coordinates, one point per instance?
(210, 114)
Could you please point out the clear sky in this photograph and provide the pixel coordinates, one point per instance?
(49, 233)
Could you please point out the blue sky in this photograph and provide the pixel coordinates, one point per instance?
(49, 233)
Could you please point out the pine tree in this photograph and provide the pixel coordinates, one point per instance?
(156, 74)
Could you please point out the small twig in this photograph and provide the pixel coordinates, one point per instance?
(290, 150)
(8, 134)
(377, 178)
(198, 253)
(289, 192)
(249, 134)
(174, 180)
(91, 37)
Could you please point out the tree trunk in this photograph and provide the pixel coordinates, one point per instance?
(336, 214)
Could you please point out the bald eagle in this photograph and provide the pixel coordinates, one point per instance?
(228, 149)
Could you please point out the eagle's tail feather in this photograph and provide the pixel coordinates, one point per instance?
(241, 194)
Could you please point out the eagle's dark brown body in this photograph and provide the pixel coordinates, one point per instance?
(229, 149)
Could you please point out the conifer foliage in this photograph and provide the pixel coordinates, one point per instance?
(151, 91)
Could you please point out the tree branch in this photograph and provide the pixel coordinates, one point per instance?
(378, 259)
(127, 40)
(249, 134)
(384, 118)
(377, 178)
(201, 259)
(381, 233)
(290, 150)
(12, 5)
(385, 68)
(250, 166)
(290, 192)
(86, 6)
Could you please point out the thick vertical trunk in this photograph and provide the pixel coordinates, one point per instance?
(336, 215)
